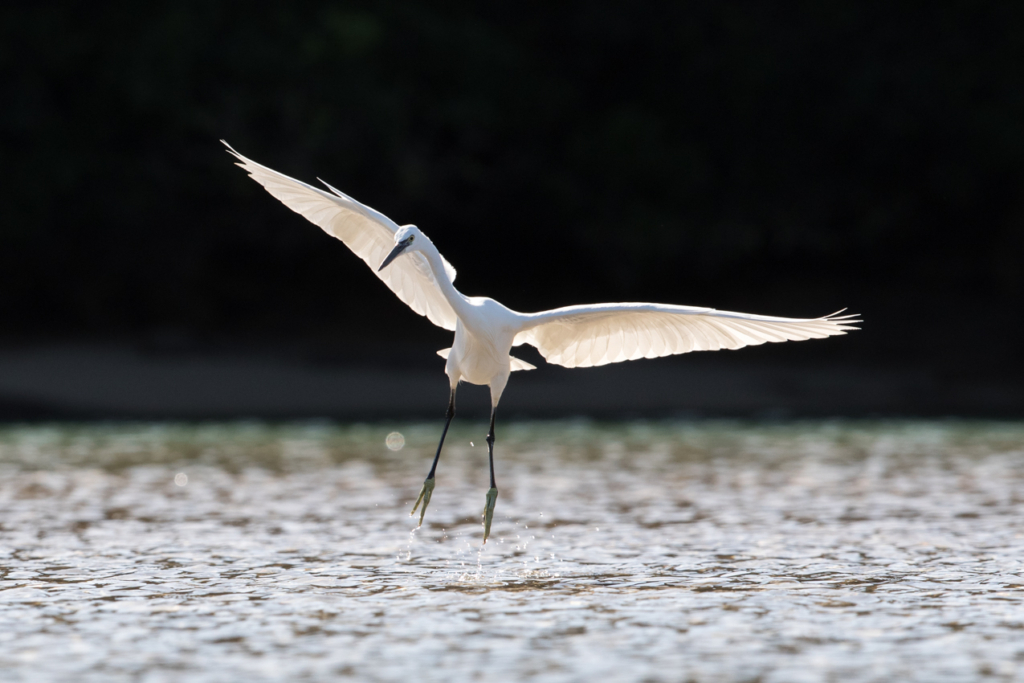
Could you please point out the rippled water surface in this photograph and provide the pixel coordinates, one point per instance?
(660, 552)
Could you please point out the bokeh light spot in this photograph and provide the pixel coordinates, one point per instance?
(395, 441)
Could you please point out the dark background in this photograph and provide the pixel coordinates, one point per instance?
(735, 155)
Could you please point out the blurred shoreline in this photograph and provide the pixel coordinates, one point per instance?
(110, 381)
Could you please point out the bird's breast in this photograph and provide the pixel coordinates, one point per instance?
(477, 359)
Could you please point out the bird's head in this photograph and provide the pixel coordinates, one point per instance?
(408, 238)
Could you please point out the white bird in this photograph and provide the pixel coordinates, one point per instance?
(485, 331)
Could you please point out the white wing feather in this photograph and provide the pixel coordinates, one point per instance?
(584, 336)
(367, 232)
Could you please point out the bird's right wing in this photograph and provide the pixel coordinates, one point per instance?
(367, 232)
(583, 336)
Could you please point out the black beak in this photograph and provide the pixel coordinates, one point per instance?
(399, 248)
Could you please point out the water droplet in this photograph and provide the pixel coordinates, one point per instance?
(395, 441)
(180, 478)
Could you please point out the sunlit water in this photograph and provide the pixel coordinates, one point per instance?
(639, 552)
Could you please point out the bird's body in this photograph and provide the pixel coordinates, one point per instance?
(480, 353)
(486, 331)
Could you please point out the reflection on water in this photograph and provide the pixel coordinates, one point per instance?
(670, 551)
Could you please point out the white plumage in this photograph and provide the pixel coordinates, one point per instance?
(368, 233)
(585, 336)
(485, 330)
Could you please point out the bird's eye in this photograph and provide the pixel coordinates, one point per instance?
(411, 238)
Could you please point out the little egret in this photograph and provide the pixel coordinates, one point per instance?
(485, 331)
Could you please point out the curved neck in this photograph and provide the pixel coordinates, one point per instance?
(454, 296)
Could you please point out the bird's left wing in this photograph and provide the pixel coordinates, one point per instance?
(367, 232)
(584, 336)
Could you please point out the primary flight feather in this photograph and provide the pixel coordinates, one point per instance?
(485, 331)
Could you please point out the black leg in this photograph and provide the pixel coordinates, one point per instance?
(492, 495)
(428, 486)
(490, 448)
(448, 415)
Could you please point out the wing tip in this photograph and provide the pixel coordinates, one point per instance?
(231, 150)
(842, 322)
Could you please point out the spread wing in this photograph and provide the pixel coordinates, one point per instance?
(583, 336)
(368, 233)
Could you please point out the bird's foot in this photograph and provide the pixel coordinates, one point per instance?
(492, 497)
(425, 493)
